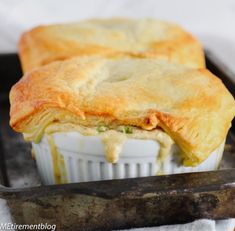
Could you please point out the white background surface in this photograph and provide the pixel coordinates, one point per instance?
(213, 21)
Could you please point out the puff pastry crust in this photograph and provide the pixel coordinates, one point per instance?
(191, 105)
(110, 37)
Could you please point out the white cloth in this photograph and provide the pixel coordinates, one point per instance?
(199, 225)
(5, 216)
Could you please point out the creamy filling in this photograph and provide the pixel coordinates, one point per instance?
(113, 143)
(59, 170)
(113, 140)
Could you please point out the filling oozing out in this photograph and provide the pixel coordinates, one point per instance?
(59, 170)
(113, 140)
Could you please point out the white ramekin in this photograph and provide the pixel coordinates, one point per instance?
(81, 158)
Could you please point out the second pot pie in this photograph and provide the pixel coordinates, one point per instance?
(110, 37)
(117, 99)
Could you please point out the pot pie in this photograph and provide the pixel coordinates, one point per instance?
(166, 107)
(111, 38)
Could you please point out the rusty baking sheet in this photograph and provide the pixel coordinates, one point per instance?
(127, 203)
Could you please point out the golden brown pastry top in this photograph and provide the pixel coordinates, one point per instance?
(109, 37)
(191, 105)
